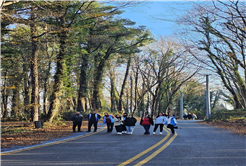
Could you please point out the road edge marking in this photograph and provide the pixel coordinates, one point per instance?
(50, 143)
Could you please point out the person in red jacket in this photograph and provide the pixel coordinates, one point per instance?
(146, 122)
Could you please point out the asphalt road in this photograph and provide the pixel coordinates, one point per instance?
(192, 145)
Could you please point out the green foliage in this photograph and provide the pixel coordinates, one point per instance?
(226, 115)
(194, 99)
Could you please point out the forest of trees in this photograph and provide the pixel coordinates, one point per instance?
(58, 57)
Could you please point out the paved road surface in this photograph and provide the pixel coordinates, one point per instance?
(193, 145)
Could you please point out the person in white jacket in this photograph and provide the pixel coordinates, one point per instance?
(171, 123)
(118, 123)
(160, 120)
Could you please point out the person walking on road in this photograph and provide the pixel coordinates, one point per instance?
(160, 120)
(171, 123)
(124, 126)
(189, 116)
(109, 120)
(118, 123)
(146, 122)
(130, 123)
(93, 118)
(77, 121)
(194, 116)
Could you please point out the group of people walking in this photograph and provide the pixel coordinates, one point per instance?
(160, 120)
(190, 116)
(125, 124)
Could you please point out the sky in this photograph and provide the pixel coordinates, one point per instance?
(158, 16)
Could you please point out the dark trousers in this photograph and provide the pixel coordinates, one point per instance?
(171, 127)
(90, 124)
(124, 128)
(161, 127)
(110, 127)
(118, 128)
(146, 128)
(77, 124)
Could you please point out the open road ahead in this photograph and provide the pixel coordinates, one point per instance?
(193, 145)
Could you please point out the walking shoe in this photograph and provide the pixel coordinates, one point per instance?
(160, 132)
(154, 133)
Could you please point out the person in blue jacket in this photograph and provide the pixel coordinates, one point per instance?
(93, 118)
(171, 123)
(109, 120)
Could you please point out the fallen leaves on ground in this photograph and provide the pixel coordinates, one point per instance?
(236, 125)
(14, 134)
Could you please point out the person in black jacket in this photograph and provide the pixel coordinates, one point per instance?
(124, 125)
(130, 122)
(77, 121)
(93, 119)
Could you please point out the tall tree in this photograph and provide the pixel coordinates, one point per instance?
(221, 27)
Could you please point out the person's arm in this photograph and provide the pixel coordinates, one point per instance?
(175, 121)
(164, 120)
(72, 119)
(151, 121)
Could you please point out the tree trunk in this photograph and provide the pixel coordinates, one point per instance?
(34, 71)
(131, 95)
(136, 89)
(95, 103)
(58, 85)
(27, 90)
(112, 91)
(15, 100)
(46, 82)
(5, 97)
(120, 109)
(82, 93)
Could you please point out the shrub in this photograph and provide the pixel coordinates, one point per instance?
(226, 115)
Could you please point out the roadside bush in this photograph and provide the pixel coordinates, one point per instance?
(226, 115)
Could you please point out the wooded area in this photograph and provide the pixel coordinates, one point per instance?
(59, 57)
